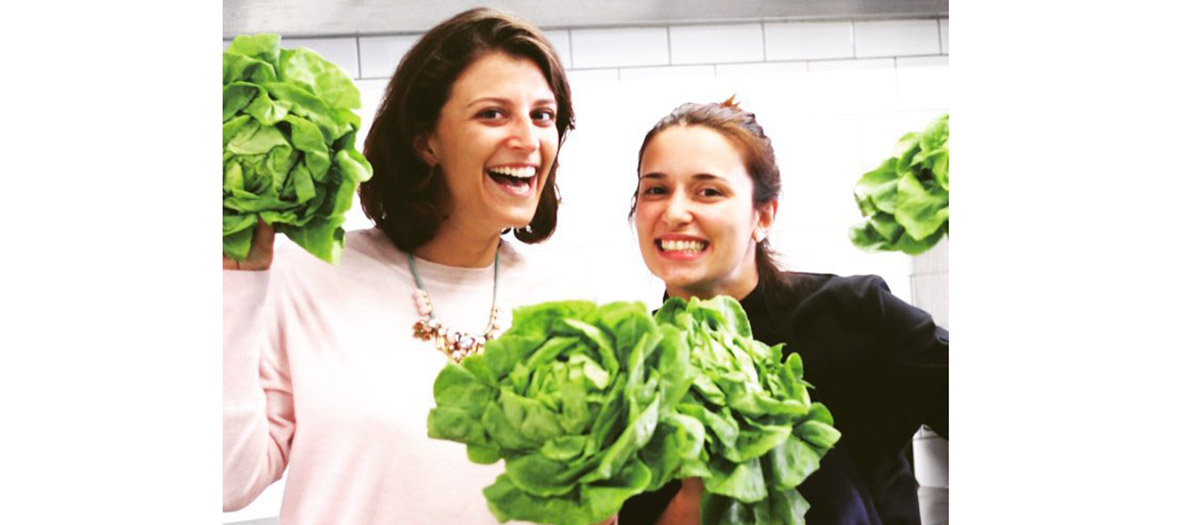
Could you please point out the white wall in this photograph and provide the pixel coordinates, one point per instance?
(833, 96)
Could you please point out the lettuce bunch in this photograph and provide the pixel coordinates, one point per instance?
(906, 200)
(764, 436)
(567, 397)
(288, 146)
(589, 405)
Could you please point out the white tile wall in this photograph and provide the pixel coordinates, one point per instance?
(827, 250)
(852, 86)
(561, 42)
(372, 91)
(667, 73)
(930, 295)
(340, 51)
(928, 473)
(879, 38)
(876, 134)
(808, 40)
(830, 117)
(923, 82)
(381, 54)
(716, 44)
(944, 35)
(767, 69)
(774, 87)
(592, 76)
(642, 46)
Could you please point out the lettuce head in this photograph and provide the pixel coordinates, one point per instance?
(568, 397)
(288, 146)
(763, 435)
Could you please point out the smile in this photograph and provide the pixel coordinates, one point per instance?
(681, 246)
(514, 180)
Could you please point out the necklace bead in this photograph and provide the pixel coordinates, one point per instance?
(453, 343)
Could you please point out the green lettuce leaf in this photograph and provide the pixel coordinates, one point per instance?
(288, 146)
(905, 201)
(762, 434)
(589, 405)
(570, 398)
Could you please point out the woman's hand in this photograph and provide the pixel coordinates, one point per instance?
(685, 508)
(262, 251)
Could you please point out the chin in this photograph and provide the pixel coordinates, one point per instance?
(678, 280)
(516, 221)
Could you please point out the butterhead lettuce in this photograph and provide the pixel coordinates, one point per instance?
(764, 436)
(288, 146)
(589, 405)
(567, 397)
(905, 201)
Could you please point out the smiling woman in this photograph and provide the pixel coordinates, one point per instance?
(706, 199)
(328, 370)
(495, 143)
(696, 214)
(432, 99)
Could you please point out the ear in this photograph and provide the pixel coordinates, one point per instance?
(764, 220)
(426, 146)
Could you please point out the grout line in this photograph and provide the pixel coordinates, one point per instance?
(668, 31)
(571, 41)
(569, 46)
(360, 73)
(940, 49)
(896, 85)
(764, 55)
(853, 35)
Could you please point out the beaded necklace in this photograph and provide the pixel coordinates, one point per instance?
(454, 344)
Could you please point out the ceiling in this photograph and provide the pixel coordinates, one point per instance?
(305, 18)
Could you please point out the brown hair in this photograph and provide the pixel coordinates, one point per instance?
(405, 195)
(744, 132)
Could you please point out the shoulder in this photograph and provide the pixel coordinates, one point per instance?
(859, 298)
(803, 286)
(366, 252)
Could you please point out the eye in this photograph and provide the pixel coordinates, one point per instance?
(490, 114)
(711, 192)
(544, 115)
(654, 190)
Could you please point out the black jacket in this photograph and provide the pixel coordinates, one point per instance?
(880, 366)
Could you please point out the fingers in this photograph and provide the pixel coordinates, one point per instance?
(265, 234)
(229, 264)
(261, 255)
(262, 248)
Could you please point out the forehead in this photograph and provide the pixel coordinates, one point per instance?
(498, 74)
(687, 151)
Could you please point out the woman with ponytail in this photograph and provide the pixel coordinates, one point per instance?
(706, 199)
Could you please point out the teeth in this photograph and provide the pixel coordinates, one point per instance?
(682, 246)
(520, 173)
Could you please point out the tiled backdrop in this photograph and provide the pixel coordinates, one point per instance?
(834, 96)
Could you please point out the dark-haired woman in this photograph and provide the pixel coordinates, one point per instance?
(328, 370)
(706, 200)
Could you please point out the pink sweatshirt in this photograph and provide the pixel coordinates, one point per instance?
(324, 381)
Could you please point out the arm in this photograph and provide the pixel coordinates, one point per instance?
(918, 354)
(257, 413)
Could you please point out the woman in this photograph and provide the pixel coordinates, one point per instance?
(705, 203)
(328, 370)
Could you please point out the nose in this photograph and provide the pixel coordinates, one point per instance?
(523, 136)
(678, 211)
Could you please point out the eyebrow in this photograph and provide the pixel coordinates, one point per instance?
(698, 176)
(507, 102)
